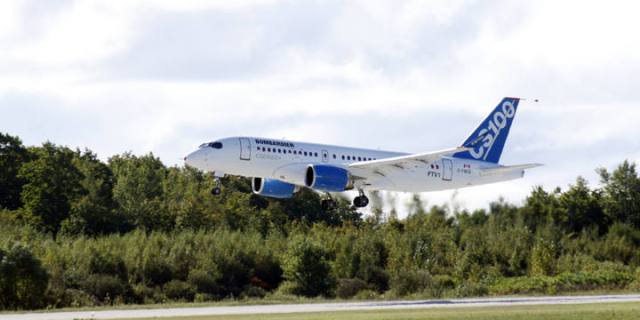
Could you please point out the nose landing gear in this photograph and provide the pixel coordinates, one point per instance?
(216, 190)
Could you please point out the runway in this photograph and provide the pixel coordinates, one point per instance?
(321, 307)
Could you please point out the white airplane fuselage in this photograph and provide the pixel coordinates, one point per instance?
(286, 161)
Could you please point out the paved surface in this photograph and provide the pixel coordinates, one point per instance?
(320, 307)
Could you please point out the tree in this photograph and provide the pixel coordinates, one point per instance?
(138, 190)
(12, 155)
(306, 265)
(541, 208)
(581, 208)
(52, 183)
(93, 212)
(622, 194)
(187, 198)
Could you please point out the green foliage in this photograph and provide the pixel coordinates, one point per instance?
(347, 288)
(105, 288)
(306, 266)
(605, 279)
(23, 280)
(179, 290)
(410, 281)
(12, 156)
(138, 190)
(52, 183)
(581, 208)
(622, 194)
(93, 213)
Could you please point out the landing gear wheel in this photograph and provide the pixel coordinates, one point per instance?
(216, 186)
(328, 204)
(360, 201)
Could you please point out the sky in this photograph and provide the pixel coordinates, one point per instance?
(414, 76)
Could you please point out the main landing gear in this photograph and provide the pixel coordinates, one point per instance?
(360, 201)
(328, 203)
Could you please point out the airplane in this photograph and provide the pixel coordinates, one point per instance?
(279, 168)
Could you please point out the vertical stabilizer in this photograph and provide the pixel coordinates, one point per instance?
(488, 140)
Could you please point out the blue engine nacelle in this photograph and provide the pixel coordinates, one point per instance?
(272, 188)
(327, 178)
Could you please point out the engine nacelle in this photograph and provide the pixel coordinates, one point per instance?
(327, 178)
(272, 188)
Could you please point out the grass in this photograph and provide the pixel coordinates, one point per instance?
(600, 311)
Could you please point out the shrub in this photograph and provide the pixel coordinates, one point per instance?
(306, 266)
(78, 298)
(104, 287)
(286, 288)
(440, 284)
(543, 258)
(348, 288)
(23, 280)
(142, 294)
(157, 272)
(409, 282)
(204, 282)
(471, 289)
(366, 295)
(105, 263)
(378, 278)
(179, 290)
(604, 279)
(268, 273)
(254, 292)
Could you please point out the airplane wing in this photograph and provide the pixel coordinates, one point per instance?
(506, 169)
(378, 166)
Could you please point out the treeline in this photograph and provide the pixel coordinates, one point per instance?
(75, 231)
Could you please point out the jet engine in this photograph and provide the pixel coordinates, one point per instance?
(272, 188)
(327, 178)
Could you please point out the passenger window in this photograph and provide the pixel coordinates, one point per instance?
(359, 159)
(315, 154)
(334, 156)
(305, 153)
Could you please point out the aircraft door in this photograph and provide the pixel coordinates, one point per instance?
(447, 169)
(245, 149)
(325, 156)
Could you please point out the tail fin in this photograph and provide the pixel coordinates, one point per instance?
(488, 140)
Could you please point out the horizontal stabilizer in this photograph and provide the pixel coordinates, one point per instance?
(507, 169)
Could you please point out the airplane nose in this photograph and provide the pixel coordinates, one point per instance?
(196, 160)
(188, 160)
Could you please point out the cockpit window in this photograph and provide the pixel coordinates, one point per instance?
(215, 145)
